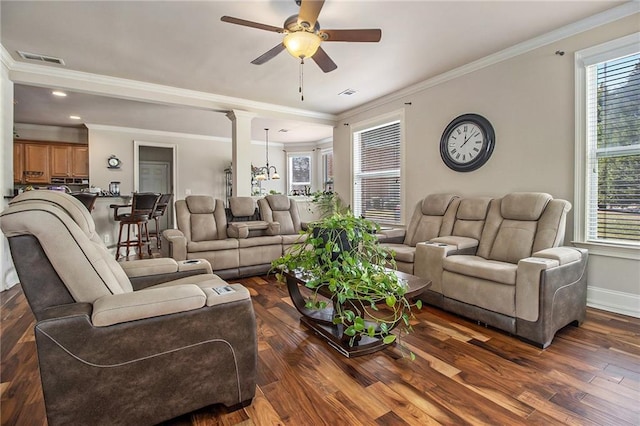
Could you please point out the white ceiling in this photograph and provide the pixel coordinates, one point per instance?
(184, 45)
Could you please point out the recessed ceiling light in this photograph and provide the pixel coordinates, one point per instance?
(75, 117)
(58, 93)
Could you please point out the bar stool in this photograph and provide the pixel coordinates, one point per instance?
(142, 208)
(161, 209)
(87, 198)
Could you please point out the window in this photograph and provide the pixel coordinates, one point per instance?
(611, 79)
(299, 174)
(376, 178)
(327, 170)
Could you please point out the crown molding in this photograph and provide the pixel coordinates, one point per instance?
(43, 75)
(148, 132)
(603, 18)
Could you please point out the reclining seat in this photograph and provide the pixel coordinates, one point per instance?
(432, 217)
(202, 234)
(258, 240)
(110, 354)
(471, 215)
(283, 210)
(520, 280)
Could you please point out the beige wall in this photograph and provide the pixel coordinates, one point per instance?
(529, 99)
(37, 132)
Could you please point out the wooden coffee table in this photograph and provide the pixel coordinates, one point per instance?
(321, 320)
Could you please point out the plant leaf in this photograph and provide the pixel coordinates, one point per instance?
(389, 339)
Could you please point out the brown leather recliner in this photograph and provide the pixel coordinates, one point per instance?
(125, 346)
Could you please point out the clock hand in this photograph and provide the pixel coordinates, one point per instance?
(467, 139)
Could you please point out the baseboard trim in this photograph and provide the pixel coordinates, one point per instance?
(614, 301)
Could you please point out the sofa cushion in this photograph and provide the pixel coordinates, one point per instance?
(260, 241)
(476, 266)
(278, 202)
(198, 204)
(436, 204)
(197, 246)
(242, 206)
(293, 239)
(203, 227)
(524, 205)
(514, 241)
(403, 253)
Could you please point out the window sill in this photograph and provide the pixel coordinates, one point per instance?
(610, 250)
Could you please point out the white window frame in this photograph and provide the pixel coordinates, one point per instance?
(323, 160)
(607, 51)
(290, 169)
(375, 122)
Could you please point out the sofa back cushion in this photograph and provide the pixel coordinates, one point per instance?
(280, 208)
(201, 218)
(470, 217)
(83, 264)
(242, 206)
(433, 217)
(521, 223)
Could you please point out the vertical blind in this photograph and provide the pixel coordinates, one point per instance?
(613, 134)
(376, 176)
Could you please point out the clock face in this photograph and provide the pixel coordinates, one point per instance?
(113, 162)
(467, 142)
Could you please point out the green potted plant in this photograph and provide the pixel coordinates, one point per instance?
(344, 265)
(325, 203)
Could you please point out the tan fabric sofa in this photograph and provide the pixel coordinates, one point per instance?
(508, 270)
(234, 249)
(135, 345)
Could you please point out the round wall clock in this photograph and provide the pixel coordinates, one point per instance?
(467, 142)
(113, 162)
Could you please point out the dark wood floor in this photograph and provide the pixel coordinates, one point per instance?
(464, 373)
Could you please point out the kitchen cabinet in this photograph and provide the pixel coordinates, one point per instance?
(50, 162)
(80, 161)
(36, 163)
(69, 161)
(18, 162)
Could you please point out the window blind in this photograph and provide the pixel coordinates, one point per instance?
(377, 164)
(613, 157)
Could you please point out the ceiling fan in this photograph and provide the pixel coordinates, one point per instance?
(303, 35)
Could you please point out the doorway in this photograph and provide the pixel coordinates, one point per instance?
(155, 171)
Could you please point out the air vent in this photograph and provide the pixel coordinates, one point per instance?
(347, 92)
(283, 130)
(41, 58)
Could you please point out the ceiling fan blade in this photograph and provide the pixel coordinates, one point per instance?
(309, 11)
(323, 60)
(370, 35)
(268, 55)
(245, 23)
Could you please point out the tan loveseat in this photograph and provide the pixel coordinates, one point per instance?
(507, 270)
(234, 249)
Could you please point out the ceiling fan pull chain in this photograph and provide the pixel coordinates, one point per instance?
(301, 80)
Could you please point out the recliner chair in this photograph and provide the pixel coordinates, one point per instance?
(125, 346)
(432, 217)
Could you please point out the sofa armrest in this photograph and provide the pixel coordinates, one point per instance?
(429, 259)
(552, 267)
(469, 245)
(392, 236)
(124, 307)
(146, 267)
(273, 228)
(174, 244)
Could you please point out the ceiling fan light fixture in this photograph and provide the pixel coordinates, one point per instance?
(302, 44)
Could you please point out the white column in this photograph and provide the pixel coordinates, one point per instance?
(241, 149)
(9, 277)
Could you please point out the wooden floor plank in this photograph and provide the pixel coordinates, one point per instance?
(464, 373)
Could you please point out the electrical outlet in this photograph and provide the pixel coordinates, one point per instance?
(106, 238)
